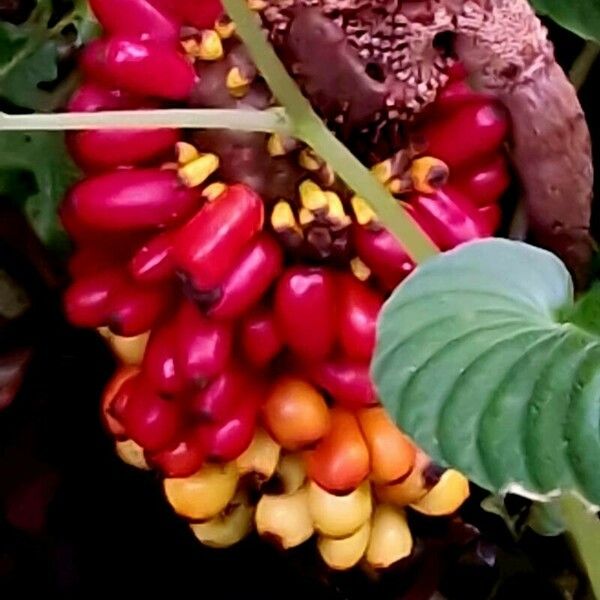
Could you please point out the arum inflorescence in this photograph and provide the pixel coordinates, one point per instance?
(238, 279)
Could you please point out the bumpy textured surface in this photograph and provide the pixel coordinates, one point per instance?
(387, 60)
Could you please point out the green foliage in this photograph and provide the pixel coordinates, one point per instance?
(485, 360)
(580, 16)
(29, 53)
(35, 171)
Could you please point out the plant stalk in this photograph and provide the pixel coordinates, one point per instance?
(583, 531)
(268, 121)
(583, 64)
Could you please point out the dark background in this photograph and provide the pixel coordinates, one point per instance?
(77, 523)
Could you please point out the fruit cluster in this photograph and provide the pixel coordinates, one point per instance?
(244, 317)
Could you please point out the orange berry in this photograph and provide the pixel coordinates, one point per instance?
(340, 462)
(295, 414)
(392, 453)
(110, 392)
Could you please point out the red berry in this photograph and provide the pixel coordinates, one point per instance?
(133, 309)
(138, 18)
(153, 262)
(260, 338)
(491, 216)
(203, 347)
(383, 254)
(145, 68)
(209, 246)
(199, 13)
(467, 134)
(131, 199)
(92, 97)
(449, 218)
(105, 149)
(359, 307)
(86, 300)
(485, 183)
(183, 458)
(150, 420)
(347, 382)
(160, 368)
(259, 264)
(225, 441)
(456, 94)
(91, 259)
(109, 148)
(218, 401)
(305, 311)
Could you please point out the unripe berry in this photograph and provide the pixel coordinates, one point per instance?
(295, 413)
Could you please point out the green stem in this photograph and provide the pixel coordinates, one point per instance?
(583, 64)
(268, 121)
(583, 530)
(32, 44)
(36, 40)
(309, 128)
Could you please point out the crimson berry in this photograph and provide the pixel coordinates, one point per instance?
(86, 300)
(258, 266)
(149, 419)
(203, 346)
(160, 368)
(359, 306)
(199, 13)
(348, 382)
(218, 401)
(183, 458)
(153, 262)
(383, 254)
(449, 218)
(132, 309)
(208, 247)
(305, 311)
(226, 440)
(127, 200)
(484, 183)
(140, 18)
(466, 135)
(146, 68)
(260, 338)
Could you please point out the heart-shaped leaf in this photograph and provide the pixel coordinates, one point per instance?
(580, 16)
(485, 360)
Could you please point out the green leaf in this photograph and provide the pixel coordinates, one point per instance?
(43, 157)
(579, 16)
(478, 362)
(29, 53)
(20, 85)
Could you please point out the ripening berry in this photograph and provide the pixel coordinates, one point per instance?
(295, 413)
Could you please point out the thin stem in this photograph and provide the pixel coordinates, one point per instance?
(269, 121)
(37, 39)
(310, 129)
(270, 67)
(583, 529)
(28, 48)
(583, 64)
(393, 216)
